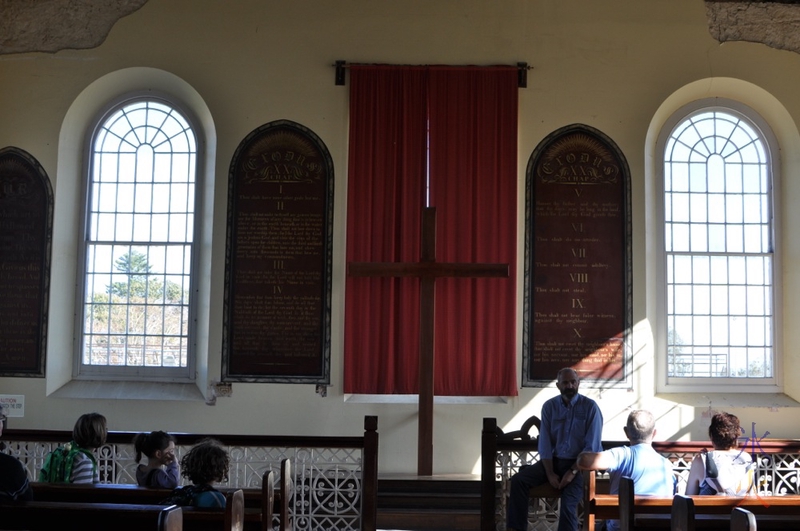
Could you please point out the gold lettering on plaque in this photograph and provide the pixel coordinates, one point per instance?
(577, 217)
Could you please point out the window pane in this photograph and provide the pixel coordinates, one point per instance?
(698, 208)
(701, 270)
(719, 279)
(683, 269)
(734, 238)
(719, 330)
(701, 301)
(680, 237)
(701, 329)
(719, 300)
(719, 269)
(716, 238)
(683, 300)
(699, 238)
(137, 288)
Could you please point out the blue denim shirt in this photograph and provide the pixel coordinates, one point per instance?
(569, 429)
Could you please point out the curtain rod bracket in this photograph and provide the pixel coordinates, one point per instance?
(522, 75)
(340, 72)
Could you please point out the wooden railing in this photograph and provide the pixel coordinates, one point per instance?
(335, 478)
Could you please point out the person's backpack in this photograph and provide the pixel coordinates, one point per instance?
(729, 475)
(57, 467)
(185, 495)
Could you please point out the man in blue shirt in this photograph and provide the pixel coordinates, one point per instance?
(571, 424)
(650, 471)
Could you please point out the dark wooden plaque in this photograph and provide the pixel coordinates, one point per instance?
(577, 309)
(26, 230)
(277, 322)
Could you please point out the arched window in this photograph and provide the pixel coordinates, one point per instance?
(138, 245)
(718, 243)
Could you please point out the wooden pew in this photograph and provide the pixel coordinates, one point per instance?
(203, 519)
(708, 512)
(687, 513)
(116, 465)
(259, 504)
(500, 452)
(47, 515)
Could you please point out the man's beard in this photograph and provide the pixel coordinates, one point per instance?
(569, 393)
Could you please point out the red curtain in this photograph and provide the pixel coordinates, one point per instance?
(471, 114)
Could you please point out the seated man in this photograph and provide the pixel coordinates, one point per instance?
(14, 485)
(650, 471)
(571, 423)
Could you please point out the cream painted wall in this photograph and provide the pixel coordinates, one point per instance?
(621, 66)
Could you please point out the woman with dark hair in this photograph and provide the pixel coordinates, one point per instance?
(159, 447)
(726, 470)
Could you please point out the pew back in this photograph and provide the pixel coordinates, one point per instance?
(41, 515)
(231, 519)
(742, 520)
(258, 505)
(687, 513)
(336, 477)
(503, 453)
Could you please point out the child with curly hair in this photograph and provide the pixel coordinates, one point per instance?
(205, 464)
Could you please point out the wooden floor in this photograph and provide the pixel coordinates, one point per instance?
(429, 503)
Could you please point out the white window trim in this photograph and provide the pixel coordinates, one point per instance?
(150, 374)
(79, 122)
(667, 384)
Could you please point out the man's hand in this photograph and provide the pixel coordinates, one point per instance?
(555, 481)
(567, 478)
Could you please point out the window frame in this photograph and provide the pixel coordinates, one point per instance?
(672, 384)
(135, 373)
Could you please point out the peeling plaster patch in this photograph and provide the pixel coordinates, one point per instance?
(54, 25)
(775, 24)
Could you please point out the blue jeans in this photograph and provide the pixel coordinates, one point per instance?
(533, 475)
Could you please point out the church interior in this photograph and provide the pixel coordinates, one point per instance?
(628, 69)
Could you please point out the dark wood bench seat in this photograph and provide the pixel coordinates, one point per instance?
(685, 513)
(259, 505)
(229, 519)
(354, 457)
(48, 515)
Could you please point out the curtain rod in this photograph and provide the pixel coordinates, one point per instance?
(341, 66)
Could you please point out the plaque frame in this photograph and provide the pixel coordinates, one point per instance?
(20, 160)
(595, 140)
(290, 136)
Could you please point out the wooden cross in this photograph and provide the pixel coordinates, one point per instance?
(427, 269)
